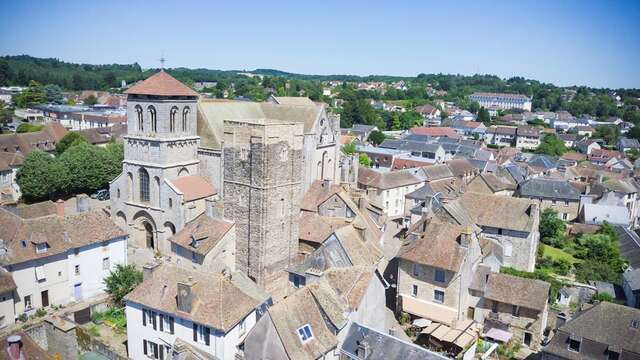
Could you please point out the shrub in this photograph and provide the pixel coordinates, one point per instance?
(41, 312)
(121, 281)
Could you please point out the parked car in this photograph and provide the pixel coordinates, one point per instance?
(101, 195)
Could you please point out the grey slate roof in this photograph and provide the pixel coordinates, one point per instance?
(547, 188)
(409, 145)
(329, 254)
(629, 245)
(542, 161)
(383, 346)
(629, 143)
(633, 279)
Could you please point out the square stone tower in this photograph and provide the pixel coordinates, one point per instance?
(262, 187)
(161, 144)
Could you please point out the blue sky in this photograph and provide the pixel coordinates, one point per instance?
(566, 42)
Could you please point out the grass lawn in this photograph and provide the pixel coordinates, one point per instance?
(555, 254)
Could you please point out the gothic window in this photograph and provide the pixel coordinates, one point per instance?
(144, 185)
(172, 119)
(185, 113)
(157, 185)
(244, 154)
(152, 116)
(140, 119)
(283, 153)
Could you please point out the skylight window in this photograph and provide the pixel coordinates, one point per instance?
(305, 334)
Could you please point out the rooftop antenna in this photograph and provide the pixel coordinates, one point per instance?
(162, 61)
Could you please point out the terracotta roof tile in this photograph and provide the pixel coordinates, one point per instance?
(438, 247)
(208, 232)
(161, 84)
(194, 187)
(528, 293)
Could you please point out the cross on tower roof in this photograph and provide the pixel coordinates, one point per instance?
(162, 61)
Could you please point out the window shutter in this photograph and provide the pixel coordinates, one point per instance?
(161, 352)
(195, 332)
(144, 317)
(153, 320)
(171, 325)
(144, 346)
(161, 321)
(206, 335)
(155, 351)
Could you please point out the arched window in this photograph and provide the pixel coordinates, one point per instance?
(172, 119)
(152, 116)
(144, 185)
(140, 119)
(185, 113)
(130, 186)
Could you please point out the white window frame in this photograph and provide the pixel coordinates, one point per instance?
(106, 260)
(435, 298)
(414, 290)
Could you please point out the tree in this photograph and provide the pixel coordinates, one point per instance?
(90, 100)
(601, 257)
(6, 113)
(376, 137)
(483, 115)
(32, 95)
(551, 145)
(90, 167)
(349, 148)
(609, 133)
(359, 111)
(53, 94)
(364, 160)
(603, 296)
(121, 281)
(551, 225)
(72, 138)
(632, 155)
(474, 107)
(395, 122)
(40, 177)
(410, 119)
(5, 72)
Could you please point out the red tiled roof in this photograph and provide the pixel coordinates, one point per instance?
(162, 84)
(436, 132)
(194, 187)
(399, 164)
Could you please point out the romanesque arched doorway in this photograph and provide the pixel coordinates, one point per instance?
(149, 236)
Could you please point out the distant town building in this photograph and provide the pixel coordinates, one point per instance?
(502, 101)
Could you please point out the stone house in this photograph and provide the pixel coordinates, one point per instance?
(314, 321)
(389, 188)
(207, 243)
(511, 308)
(528, 137)
(614, 193)
(489, 183)
(24, 143)
(500, 135)
(211, 312)
(10, 162)
(604, 331)
(435, 270)
(626, 144)
(55, 259)
(512, 224)
(558, 195)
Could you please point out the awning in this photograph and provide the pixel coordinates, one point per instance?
(435, 312)
(499, 335)
(421, 322)
(458, 336)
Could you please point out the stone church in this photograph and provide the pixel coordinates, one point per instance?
(255, 160)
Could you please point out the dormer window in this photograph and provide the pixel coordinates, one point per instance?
(41, 248)
(305, 334)
(574, 345)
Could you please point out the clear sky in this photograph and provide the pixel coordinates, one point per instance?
(566, 42)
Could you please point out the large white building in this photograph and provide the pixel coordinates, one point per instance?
(502, 101)
(56, 259)
(178, 310)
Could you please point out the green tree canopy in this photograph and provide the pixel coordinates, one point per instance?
(609, 133)
(70, 139)
(53, 94)
(349, 148)
(364, 160)
(359, 111)
(90, 100)
(41, 177)
(551, 145)
(121, 281)
(32, 95)
(483, 115)
(376, 137)
(551, 225)
(601, 257)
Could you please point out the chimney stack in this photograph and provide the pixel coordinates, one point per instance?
(82, 203)
(148, 268)
(363, 349)
(326, 183)
(60, 208)
(185, 295)
(465, 236)
(210, 208)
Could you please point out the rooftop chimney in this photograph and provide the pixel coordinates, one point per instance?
(465, 236)
(210, 208)
(363, 349)
(326, 183)
(82, 203)
(147, 269)
(60, 208)
(185, 295)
